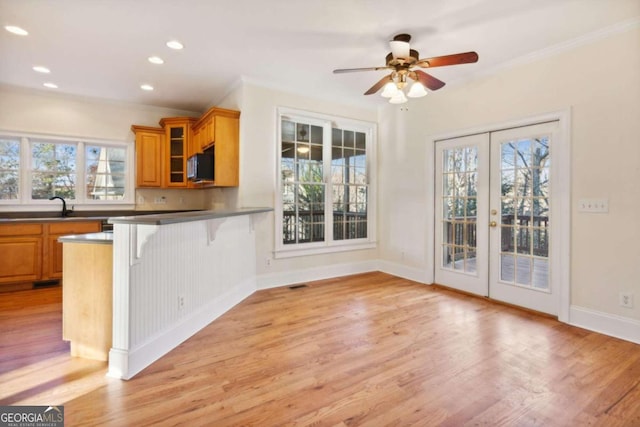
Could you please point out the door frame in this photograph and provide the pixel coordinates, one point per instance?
(560, 274)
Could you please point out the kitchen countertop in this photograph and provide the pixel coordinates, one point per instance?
(51, 216)
(104, 238)
(177, 217)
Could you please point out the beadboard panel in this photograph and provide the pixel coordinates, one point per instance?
(172, 280)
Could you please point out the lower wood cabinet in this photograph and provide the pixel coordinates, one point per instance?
(30, 252)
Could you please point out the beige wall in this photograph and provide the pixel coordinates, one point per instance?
(258, 150)
(600, 82)
(52, 114)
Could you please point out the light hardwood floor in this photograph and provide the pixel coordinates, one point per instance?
(365, 350)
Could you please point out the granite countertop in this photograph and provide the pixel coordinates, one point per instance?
(177, 217)
(104, 238)
(51, 216)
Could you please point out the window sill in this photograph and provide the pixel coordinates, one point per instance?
(318, 250)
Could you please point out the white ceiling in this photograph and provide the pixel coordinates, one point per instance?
(99, 48)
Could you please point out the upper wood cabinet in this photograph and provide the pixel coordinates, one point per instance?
(162, 153)
(219, 129)
(149, 156)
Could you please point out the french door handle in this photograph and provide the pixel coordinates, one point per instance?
(493, 224)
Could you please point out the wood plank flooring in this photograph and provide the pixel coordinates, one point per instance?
(365, 350)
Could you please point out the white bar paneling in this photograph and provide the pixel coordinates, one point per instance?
(182, 277)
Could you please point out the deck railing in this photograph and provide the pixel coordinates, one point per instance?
(310, 226)
(461, 232)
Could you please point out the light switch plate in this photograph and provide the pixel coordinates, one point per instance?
(593, 205)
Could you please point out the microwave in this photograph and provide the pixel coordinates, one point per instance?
(200, 167)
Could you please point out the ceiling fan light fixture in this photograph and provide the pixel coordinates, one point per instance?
(389, 90)
(399, 49)
(398, 98)
(417, 90)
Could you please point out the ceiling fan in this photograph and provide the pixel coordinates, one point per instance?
(403, 60)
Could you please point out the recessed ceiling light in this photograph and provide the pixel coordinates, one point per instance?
(16, 30)
(146, 87)
(175, 44)
(41, 69)
(50, 85)
(156, 60)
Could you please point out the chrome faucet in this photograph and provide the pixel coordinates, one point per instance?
(65, 212)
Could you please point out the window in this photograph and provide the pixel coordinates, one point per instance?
(324, 174)
(34, 169)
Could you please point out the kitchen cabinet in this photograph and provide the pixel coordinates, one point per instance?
(149, 156)
(53, 254)
(20, 255)
(219, 129)
(162, 153)
(30, 252)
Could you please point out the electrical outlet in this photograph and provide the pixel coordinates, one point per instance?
(160, 200)
(140, 200)
(593, 205)
(180, 302)
(626, 299)
(267, 262)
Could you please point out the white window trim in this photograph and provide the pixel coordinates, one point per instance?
(328, 245)
(25, 203)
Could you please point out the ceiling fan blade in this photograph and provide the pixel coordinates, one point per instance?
(442, 61)
(376, 87)
(428, 80)
(353, 70)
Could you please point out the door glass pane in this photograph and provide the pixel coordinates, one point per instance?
(459, 209)
(525, 212)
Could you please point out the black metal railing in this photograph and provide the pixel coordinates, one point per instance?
(310, 227)
(532, 230)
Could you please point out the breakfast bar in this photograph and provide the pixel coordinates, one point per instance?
(132, 295)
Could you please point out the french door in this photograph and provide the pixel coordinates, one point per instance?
(493, 215)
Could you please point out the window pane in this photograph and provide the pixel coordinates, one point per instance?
(54, 166)
(9, 168)
(105, 178)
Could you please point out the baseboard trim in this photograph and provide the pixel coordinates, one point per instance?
(609, 324)
(125, 364)
(403, 271)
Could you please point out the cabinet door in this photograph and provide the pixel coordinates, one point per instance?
(176, 159)
(209, 134)
(53, 253)
(20, 259)
(20, 253)
(195, 143)
(227, 133)
(149, 152)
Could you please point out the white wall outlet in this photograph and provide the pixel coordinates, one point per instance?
(626, 299)
(140, 200)
(593, 205)
(267, 261)
(180, 302)
(160, 200)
